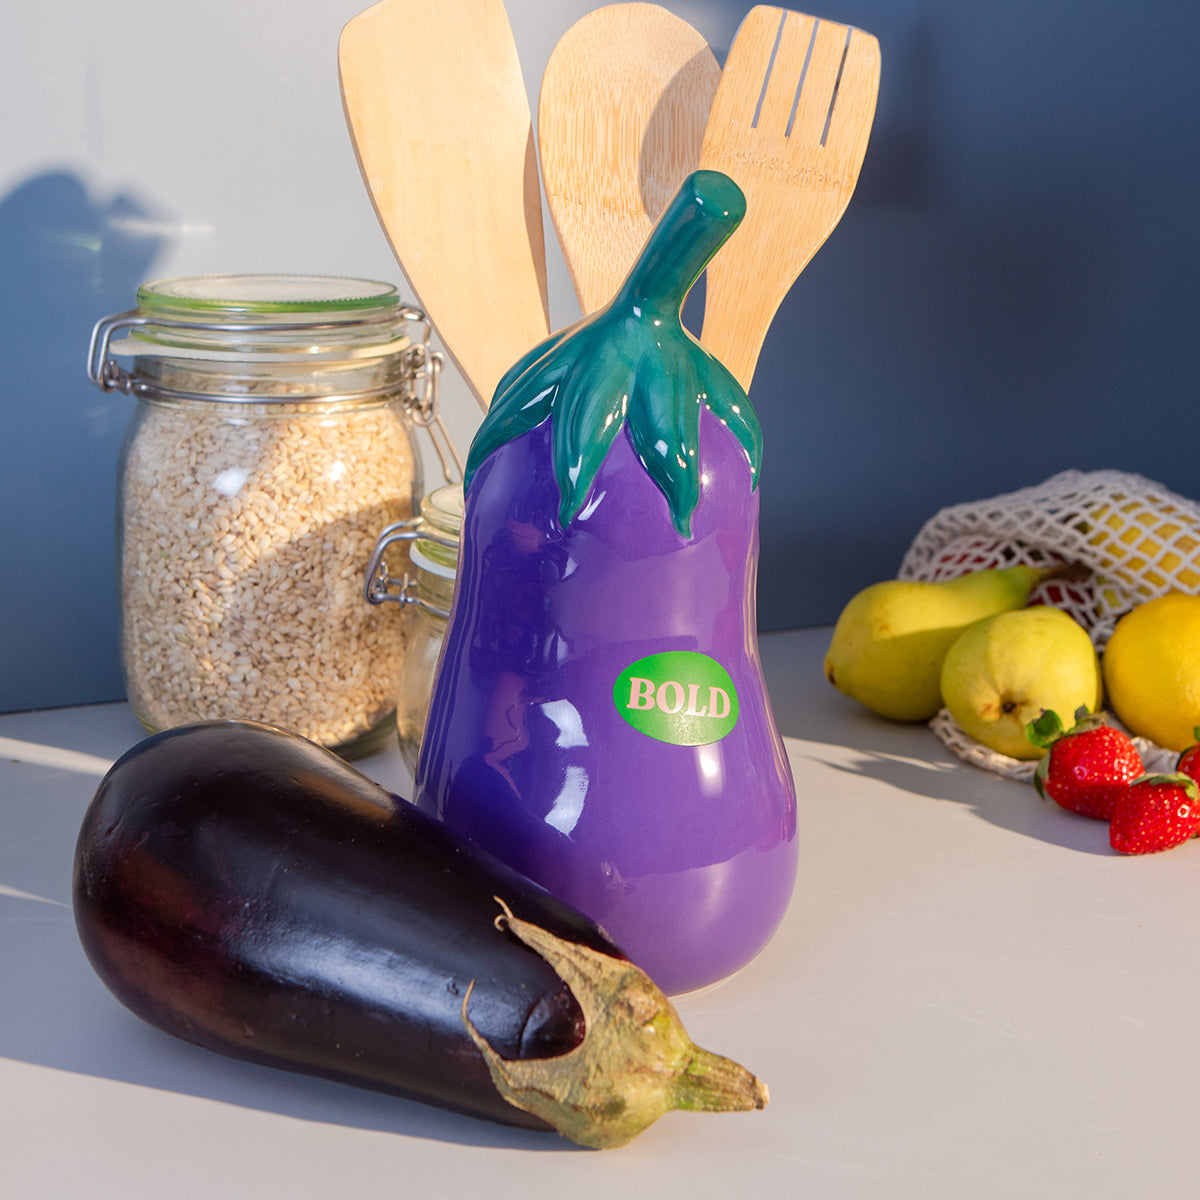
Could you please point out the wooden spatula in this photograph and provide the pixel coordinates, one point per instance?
(621, 117)
(439, 117)
(790, 125)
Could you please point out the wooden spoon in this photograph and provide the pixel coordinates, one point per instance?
(789, 125)
(439, 117)
(621, 115)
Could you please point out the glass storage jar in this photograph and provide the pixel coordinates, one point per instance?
(425, 592)
(274, 432)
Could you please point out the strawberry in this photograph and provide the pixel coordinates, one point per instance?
(1155, 812)
(1189, 760)
(1088, 765)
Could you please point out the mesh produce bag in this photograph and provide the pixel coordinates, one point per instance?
(1139, 539)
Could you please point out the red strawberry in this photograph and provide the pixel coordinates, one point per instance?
(1088, 766)
(1189, 760)
(1155, 812)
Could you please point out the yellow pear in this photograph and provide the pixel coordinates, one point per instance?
(890, 640)
(1006, 670)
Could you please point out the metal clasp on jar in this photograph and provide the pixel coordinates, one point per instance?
(426, 366)
(381, 586)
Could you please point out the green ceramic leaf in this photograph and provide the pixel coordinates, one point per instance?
(633, 363)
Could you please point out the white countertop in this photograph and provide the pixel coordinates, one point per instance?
(970, 996)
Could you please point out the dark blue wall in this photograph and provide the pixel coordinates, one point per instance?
(1012, 292)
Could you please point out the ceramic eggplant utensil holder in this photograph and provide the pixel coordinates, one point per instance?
(599, 720)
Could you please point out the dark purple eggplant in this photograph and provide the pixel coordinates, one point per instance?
(244, 889)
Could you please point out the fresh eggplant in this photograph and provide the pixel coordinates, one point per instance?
(599, 719)
(244, 889)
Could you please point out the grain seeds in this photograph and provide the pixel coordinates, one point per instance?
(246, 533)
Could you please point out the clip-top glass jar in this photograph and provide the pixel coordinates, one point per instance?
(273, 436)
(425, 591)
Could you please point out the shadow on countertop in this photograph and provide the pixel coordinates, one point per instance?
(908, 757)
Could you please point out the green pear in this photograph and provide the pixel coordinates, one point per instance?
(1006, 670)
(891, 638)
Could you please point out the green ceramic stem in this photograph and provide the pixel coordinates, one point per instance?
(704, 212)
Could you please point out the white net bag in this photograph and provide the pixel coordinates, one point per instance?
(1139, 540)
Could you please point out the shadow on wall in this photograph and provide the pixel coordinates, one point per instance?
(67, 258)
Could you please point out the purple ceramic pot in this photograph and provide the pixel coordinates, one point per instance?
(686, 854)
(599, 719)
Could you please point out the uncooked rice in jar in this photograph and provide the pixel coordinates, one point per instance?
(245, 538)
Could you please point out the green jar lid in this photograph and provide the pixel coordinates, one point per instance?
(298, 318)
(262, 295)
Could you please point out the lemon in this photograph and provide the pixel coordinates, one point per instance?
(1152, 670)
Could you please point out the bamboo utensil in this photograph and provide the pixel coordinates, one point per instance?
(439, 117)
(621, 115)
(790, 124)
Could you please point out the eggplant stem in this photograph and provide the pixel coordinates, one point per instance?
(635, 1062)
(713, 1083)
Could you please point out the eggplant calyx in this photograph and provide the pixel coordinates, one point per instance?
(635, 1063)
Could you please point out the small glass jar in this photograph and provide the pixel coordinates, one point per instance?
(274, 433)
(425, 592)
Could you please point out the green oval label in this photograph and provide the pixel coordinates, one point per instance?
(678, 696)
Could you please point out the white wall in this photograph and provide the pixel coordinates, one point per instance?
(142, 140)
(214, 134)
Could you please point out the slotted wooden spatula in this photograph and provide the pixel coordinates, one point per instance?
(439, 116)
(621, 116)
(790, 125)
